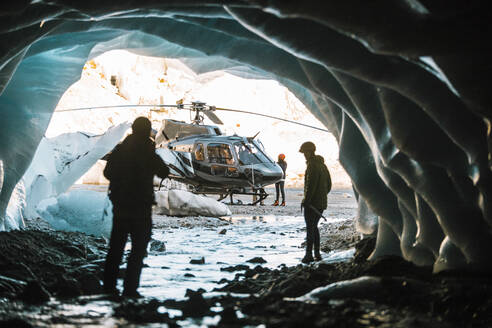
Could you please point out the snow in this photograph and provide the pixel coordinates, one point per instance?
(183, 203)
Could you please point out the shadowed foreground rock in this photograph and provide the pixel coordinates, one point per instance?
(35, 265)
(387, 292)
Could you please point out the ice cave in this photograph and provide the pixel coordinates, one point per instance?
(402, 85)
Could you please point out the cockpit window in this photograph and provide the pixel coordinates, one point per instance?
(199, 156)
(249, 153)
(220, 153)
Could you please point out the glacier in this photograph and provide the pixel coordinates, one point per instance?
(402, 85)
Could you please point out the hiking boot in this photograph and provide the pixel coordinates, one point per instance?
(317, 257)
(276, 203)
(283, 203)
(307, 259)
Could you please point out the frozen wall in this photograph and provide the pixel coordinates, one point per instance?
(403, 86)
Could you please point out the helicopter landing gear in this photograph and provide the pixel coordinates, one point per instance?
(258, 196)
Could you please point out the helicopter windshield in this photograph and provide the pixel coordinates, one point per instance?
(249, 153)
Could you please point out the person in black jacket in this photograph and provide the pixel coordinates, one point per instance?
(279, 186)
(130, 169)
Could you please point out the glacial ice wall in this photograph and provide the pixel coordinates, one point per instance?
(401, 84)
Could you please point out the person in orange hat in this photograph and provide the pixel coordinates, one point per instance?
(279, 186)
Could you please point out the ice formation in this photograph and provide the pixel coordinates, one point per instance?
(181, 203)
(79, 210)
(60, 161)
(402, 85)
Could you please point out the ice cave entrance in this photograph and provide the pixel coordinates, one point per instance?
(120, 77)
(68, 158)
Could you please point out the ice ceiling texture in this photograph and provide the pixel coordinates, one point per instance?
(403, 85)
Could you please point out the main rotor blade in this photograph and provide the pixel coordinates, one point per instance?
(116, 106)
(212, 117)
(269, 116)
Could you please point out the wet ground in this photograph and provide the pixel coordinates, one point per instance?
(239, 271)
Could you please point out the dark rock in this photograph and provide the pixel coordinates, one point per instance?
(257, 260)
(15, 323)
(191, 292)
(165, 267)
(34, 293)
(228, 316)
(395, 266)
(68, 287)
(90, 284)
(189, 275)
(11, 286)
(74, 251)
(198, 261)
(364, 248)
(196, 305)
(143, 312)
(157, 246)
(222, 232)
(238, 267)
(121, 273)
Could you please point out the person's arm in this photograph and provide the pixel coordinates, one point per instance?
(160, 168)
(328, 178)
(111, 164)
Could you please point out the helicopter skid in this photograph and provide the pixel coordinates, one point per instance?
(258, 194)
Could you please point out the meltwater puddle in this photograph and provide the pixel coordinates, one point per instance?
(276, 239)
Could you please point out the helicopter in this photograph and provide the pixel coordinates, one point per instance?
(209, 162)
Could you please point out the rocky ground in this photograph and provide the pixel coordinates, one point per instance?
(37, 265)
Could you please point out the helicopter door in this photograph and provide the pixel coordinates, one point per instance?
(221, 160)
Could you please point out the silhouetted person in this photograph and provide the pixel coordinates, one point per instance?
(130, 170)
(279, 186)
(317, 185)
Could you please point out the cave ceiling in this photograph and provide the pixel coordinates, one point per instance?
(402, 85)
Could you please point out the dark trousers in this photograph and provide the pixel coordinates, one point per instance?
(312, 232)
(138, 224)
(279, 186)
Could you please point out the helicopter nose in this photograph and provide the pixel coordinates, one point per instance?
(270, 174)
